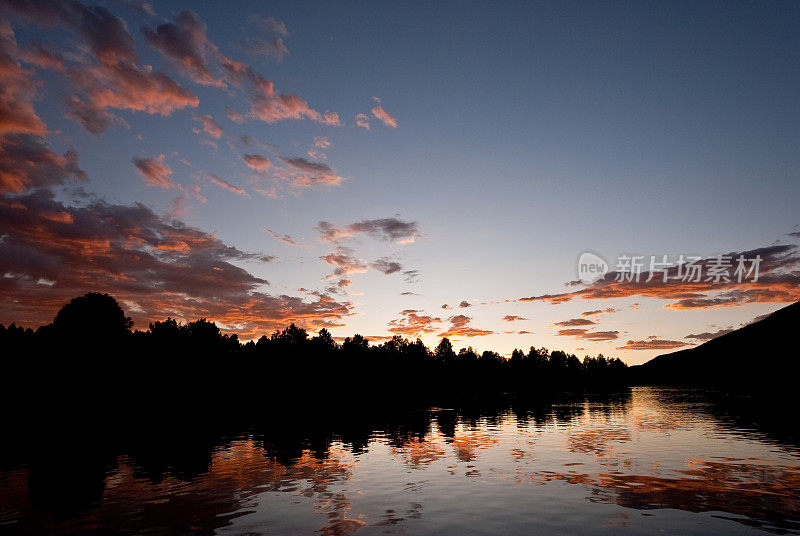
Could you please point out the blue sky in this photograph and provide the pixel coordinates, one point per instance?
(526, 133)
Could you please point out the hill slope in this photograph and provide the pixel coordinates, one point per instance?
(760, 355)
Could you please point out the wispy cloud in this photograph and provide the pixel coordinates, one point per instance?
(226, 185)
(210, 126)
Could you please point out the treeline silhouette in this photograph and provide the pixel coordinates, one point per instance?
(89, 351)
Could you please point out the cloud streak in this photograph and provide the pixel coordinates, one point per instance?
(778, 282)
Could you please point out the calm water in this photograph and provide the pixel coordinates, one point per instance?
(654, 461)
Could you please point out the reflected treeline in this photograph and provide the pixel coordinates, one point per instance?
(71, 464)
(90, 353)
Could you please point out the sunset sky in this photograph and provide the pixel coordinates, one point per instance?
(392, 168)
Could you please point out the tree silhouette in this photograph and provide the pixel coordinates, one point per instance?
(92, 315)
(444, 350)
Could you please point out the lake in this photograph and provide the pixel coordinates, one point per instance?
(645, 461)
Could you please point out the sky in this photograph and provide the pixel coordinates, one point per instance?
(423, 170)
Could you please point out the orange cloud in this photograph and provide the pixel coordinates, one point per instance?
(413, 324)
(459, 327)
(778, 282)
(164, 266)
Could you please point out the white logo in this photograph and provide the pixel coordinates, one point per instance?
(591, 267)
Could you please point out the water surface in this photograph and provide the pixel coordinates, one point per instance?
(650, 461)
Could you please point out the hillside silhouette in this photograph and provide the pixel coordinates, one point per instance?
(761, 356)
(89, 357)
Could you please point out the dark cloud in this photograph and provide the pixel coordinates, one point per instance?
(464, 304)
(385, 229)
(305, 165)
(387, 266)
(185, 42)
(513, 318)
(106, 34)
(707, 336)
(116, 81)
(17, 114)
(27, 162)
(257, 162)
(576, 322)
(411, 276)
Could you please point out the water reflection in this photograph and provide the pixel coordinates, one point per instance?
(640, 461)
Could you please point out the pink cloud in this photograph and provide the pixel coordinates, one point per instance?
(362, 120)
(155, 171)
(384, 116)
(210, 126)
(227, 186)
